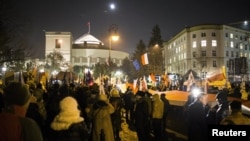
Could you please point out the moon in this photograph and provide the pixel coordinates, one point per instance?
(112, 6)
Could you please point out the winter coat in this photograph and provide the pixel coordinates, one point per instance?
(102, 121)
(197, 122)
(14, 128)
(158, 107)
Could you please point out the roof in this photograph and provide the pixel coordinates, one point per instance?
(89, 39)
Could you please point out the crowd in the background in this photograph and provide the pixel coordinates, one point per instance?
(69, 112)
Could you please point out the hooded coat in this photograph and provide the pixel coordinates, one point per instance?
(102, 121)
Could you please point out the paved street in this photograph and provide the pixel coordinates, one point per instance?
(176, 127)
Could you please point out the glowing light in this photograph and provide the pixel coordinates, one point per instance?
(112, 6)
(196, 92)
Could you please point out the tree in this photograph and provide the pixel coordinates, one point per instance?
(155, 56)
(102, 69)
(140, 50)
(155, 37)
(12, 42)
(55, 58)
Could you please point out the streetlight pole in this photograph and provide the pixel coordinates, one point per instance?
(112, 36)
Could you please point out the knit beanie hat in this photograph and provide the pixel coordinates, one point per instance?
(102, 97)
(114, 93)
(16, 93)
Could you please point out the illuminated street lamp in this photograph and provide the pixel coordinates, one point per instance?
(112, 36)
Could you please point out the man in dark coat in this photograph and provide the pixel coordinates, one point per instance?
(141, 117)
(197, 124)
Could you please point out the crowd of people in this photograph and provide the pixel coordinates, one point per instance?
(69, 112)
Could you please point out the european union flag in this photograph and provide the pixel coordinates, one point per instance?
(136, 64)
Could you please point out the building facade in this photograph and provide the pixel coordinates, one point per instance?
(206, 48)
(84, 51)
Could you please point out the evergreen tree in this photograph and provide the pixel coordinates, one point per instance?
(141, 48)
(155, 56)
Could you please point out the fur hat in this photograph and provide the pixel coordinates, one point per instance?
(68, 104)
(16, 93)
(102, 97)
(68, 114)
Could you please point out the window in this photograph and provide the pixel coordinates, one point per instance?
(214, 64)
(194, 54)
(194, 64)
(194, 36)
(203, 53)
(204, 63)
(58, 43)
(232, 54)
(237, 54)
(214, 43)
(241, 46)
(227, 54)
(194, 44)
(203, 34)
(214, 53)
(231, 35)
(226, 35)
(213, 34)
(203, 43)
(232, 44)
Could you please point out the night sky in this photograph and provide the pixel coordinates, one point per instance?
(135, 18)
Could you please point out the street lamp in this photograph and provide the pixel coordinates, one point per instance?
(112, 36)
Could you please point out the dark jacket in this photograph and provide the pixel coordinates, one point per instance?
(76, 132)
(197, 124)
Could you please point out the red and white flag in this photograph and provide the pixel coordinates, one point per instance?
(144, 59)
(217, 75)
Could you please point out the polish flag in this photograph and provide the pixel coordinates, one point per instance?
(217, 75)
(144, 59)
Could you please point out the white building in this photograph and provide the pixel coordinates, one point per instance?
(205, 48)
(84, 51)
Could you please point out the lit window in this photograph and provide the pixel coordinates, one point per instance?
(231, 35)
(194, 44)
(232, 44)
(203, 43)
(214, 43)
(241, 46)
